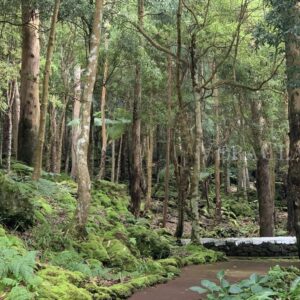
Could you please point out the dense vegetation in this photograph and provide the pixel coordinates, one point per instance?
(189, 107)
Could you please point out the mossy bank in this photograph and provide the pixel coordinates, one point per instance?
(40, 257)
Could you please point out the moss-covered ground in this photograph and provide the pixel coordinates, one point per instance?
(41, 258)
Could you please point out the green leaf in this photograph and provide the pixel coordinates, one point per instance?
(295, 284)
(220, 275)
(254, 278)
(224, 284)
(256, 289)
(210, 285)
(198, 290)
(235, 289)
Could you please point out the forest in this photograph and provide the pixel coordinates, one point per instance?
(147, 146)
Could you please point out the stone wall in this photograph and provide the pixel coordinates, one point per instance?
(255, 247)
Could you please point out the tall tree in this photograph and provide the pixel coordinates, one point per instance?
(76, 114)
(290, 14)
(84, 182)
(103, 112)
(29, 92)
(38, 154)
(135, 184)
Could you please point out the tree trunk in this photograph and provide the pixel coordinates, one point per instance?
(168, 146)
(266, 203)
(15, 120)
(227, 184)
(103, 107)
(53, 138)
(113, 160)
(119, 160)
(84, 182)
(293, 83)
(8, 144)
(150, 146)
(38, 154)
(195, 177)
(30, 105)
(60, 137)
(182, 159)
(135, 184)
(76, 114)
(218, 213)
(264, 179)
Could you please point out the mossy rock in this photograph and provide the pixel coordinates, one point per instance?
(119, 255)
(16, 209)
(149, 243)
(93, 248)
(59, 284)
(197, 254)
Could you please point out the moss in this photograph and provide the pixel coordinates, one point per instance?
(119, 255)
(122, 290)
(149, 242)
(59, 284)
(16, 209)
(93, 248)
(172, 261)
(197, 254)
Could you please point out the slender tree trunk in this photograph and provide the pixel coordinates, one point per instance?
(227, 184)
(76, 114)
(135, 184)
(119, 160)
(103, 107)
(150, 146)
(293, 83)
(183, 158)
(264, 179)
(218, 212)
(168, 147)
(38, 154)
(84, 182)
(60, 137)
(195, 177)
(53, 138)
(30, 105)
(113, 160)
(10, 100)
(15, 120)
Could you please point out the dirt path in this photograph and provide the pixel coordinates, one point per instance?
(236, 269)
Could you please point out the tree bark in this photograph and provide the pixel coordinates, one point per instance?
(218, 212)
(263, 152)
(168, 146)
(15, 120)
(103, 117)
(38, 154)
(195, 176)
(29, 92)
(150, 146)
(76, 115)
(113, 160)
(293, 86)
(135, 184)
(119, 160)
(84, 182)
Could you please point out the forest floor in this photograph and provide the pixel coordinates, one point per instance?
(236, 270)
(239, 217)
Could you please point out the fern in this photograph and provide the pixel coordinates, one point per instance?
(20, 293)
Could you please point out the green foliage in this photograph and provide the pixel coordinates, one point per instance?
(59, 284)
(278, 284)
(149, 242)
(17, 274)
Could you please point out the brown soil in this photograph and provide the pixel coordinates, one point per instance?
(236, 270)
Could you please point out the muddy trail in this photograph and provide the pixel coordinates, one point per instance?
(236, 270)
